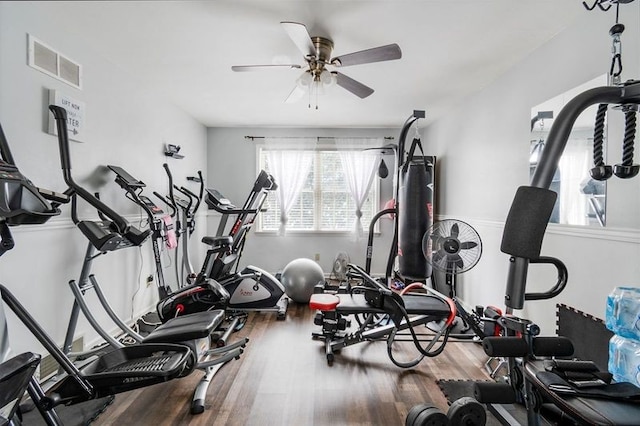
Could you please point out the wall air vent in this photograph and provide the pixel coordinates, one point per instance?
(45, 59)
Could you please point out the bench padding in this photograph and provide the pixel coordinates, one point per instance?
(413, 304)
(188, 327)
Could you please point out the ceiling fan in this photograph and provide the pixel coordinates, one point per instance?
(317, 55)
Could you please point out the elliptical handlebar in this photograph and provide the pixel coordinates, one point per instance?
(200, 193)
(5, 151)
(60, 115)
(190, 195)
(171, 197)
(167, 202)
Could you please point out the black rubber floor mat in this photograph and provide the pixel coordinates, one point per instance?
(72, 415)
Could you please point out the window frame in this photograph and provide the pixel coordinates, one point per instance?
(320, 147)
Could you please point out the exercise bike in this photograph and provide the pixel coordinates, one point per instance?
(251, 289)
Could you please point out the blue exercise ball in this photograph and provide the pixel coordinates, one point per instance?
(299, 277)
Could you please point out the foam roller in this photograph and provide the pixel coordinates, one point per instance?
(494, 393)
(552, 346)
(505, 346)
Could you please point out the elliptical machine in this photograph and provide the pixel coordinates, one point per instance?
(197, 332)
(184, 211)
(120, 370)
(205, 295)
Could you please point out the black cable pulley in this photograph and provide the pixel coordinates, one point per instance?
(617, 29)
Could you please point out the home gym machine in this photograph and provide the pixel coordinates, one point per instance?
(533, 381)
(121, 370)
(113, 232)
(251, 289)
(580, 393)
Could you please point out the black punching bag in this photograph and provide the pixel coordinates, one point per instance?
(415, 216)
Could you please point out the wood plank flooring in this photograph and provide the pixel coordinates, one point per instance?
(283, 379)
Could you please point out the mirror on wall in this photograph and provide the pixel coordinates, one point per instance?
(581, 200)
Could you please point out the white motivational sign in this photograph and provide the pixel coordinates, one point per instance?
(75, 115)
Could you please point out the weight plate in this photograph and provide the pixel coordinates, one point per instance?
(467, 411)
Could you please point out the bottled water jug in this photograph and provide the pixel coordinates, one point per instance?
(622, 315)
(624, 360)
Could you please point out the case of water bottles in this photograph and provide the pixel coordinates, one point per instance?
(622, 316)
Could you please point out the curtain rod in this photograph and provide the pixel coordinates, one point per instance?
(252, 138)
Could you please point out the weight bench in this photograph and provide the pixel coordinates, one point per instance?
(613, 404)
(577, 390)
(385, 314)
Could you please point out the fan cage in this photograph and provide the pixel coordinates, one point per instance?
(440, 233)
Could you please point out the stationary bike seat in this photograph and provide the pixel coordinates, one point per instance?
(218, 241)
(324, 302)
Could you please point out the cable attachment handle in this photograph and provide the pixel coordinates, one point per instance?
(600, 170)
(615, 71)
(627, 169)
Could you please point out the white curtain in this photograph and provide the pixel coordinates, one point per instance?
(290, 161)
(574, 167)
(359, 168)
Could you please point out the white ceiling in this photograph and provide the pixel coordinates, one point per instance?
(184, 50)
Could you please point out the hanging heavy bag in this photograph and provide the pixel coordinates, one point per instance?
(415, 214)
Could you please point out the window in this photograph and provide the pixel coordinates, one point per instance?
(324, 204)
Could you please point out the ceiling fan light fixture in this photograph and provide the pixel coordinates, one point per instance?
(328, 78)
(305, 79)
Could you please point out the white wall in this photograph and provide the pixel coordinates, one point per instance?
(232, 170)
(482, 147)
(127, 124)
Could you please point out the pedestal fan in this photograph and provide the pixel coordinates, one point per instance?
(453, 247)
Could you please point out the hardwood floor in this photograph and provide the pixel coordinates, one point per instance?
(283, 379)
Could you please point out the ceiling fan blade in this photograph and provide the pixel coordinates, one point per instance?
(296, 94)
(353, 86)
(300, 36)
(243, 68)
(376, 54)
